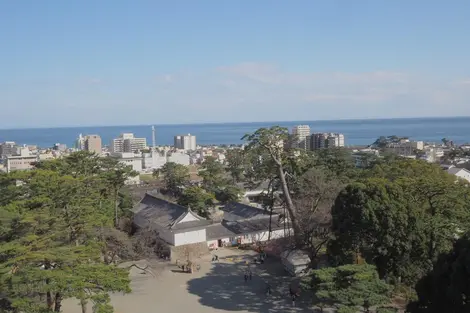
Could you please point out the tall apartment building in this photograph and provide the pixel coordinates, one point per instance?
(325, 140)
(185, 142)
(8, 148)
(128, 143)
(300, 134)
(91, 143)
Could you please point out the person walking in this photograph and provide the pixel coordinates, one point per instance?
(268, 289)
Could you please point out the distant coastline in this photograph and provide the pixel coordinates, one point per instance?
(357, 132)
(346, 120)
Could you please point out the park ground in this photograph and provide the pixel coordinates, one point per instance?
(216, 287)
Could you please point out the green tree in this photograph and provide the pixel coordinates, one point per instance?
(348, 288)
(338, 162)
(175, 176)
(269, 143)
(447, 287)
(49, 248)
(213, 174)
(314, 193)
(400, 221)
(115, 174)
(235, 164)
(228, 193)
(198, 199)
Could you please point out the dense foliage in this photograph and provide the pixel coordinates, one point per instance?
(401, 218)
(52, 223)
(447, 287)
(348, 288)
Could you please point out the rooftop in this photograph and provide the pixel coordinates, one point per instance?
(164, 214)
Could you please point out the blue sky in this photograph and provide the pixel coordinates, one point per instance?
(143, 62)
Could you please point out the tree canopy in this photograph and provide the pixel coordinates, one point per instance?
(348, 288)
(400, 219)
(447, 287)
(50, 247)
(175, 176)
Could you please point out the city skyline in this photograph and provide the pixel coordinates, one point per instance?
(145, 63)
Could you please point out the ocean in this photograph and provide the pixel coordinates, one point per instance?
(356, 132)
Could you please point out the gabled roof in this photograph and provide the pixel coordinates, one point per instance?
(236, 211)
(164, 215)
(454, 170)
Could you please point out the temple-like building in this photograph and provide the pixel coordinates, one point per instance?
(178, 225)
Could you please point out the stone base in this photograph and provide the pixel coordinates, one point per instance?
(189, 252)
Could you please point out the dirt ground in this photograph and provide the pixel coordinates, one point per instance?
(216, 287)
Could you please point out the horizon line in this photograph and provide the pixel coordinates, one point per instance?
(233, 123)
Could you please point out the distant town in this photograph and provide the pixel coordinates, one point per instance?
(145, 158)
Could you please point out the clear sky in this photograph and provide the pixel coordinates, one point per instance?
(112, 62)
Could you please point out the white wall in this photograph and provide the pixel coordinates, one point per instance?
(262, 236)
(190, 237)
(464, 175)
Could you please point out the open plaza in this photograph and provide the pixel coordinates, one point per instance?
(216, 287)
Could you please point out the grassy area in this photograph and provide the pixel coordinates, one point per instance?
(147, 178)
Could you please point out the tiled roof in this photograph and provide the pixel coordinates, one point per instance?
(163, 214)
(236, 211)
(237, 228)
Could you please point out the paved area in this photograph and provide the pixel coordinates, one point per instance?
(217, 287)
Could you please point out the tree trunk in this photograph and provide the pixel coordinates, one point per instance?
(58, 302)
(116, 206)
(49, 300)
(290, 206)
(83, 303)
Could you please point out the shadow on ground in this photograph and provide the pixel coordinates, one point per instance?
(224, 288)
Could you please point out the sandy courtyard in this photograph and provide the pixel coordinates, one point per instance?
(217, 287)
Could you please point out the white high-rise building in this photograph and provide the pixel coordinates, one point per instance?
(128, 143)
(300, 134)
(185, 142)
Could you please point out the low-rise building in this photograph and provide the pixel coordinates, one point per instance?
(178, 225)
(132, 160)
(405, 147)
(461, 173)
(179, 158)
(24, 161)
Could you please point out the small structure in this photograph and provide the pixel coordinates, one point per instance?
(461, 173)
(295, 261)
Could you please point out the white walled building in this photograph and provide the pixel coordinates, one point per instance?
(126, 142)
(300, 134)
(405, 147)
(179, 158)
(185, 142)
(177, 225)
(461, 173)
(21, 162)
(132, 160)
